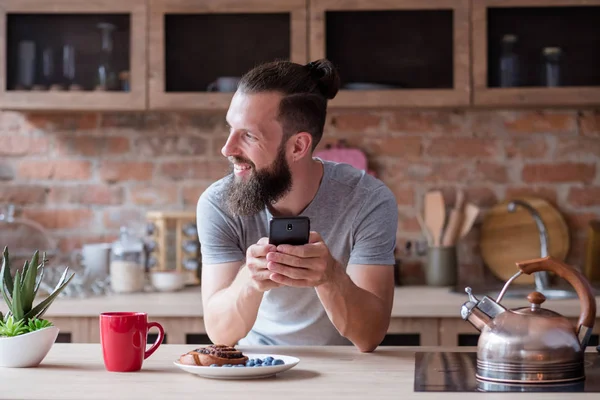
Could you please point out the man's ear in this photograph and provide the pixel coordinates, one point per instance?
(301, 145)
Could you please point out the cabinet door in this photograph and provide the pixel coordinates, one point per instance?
(200, 48)
(73, 55)
(394, 53)
(536, 52)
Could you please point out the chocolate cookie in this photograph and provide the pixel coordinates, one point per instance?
(218, 354)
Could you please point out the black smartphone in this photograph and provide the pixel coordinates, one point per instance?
(289, 230)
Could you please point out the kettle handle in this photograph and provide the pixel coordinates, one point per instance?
(581, 285)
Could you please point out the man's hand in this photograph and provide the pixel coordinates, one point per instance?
(257, 265)
(360, 310)
(309, 265)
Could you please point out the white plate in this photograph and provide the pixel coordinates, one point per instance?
(242, 372)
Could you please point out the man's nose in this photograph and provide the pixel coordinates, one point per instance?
(230, 148)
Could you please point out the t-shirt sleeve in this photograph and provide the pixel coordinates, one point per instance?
(375, 229)
(216, 233)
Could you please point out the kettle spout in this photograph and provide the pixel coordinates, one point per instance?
(480, 313)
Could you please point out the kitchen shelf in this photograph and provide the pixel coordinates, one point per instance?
(192, 43)
(438, 53)
(418, 51)
(52, 34)
(572, 25)
(40, 31)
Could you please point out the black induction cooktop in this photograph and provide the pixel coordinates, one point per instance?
(455, 372)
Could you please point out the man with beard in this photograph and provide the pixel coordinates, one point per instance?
(337, 289)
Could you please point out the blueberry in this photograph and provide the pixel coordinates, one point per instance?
(227, 365)
(250, 363)
(258, 361)
(214, 365)
(269, 359)
(278, 362)
(239, 365)
(267, 363)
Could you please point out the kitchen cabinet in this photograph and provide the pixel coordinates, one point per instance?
(199, 48)
(403, 331)
(73, 55)
(421, 316)
(394, 53)
(188, 54)
(191, 330)
(571, 26)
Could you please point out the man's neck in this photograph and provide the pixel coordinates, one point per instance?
(304, 189)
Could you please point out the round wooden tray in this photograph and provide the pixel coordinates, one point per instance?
(507, 238)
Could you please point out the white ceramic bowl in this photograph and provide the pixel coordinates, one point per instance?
(167, 281)
(27, 350)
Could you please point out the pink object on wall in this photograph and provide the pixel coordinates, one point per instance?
(340, 153)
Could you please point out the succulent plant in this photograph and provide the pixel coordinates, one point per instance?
(10, 327)
(37, 324)
(19, 292)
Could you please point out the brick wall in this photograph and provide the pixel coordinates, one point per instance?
(83, 175)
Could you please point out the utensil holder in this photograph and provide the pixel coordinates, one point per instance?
(441, 266)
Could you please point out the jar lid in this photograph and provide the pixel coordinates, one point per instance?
(127, 243)
(551, 50)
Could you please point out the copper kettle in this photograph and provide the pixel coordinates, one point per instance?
(532, 344)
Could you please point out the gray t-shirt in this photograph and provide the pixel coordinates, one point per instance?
(357, 216)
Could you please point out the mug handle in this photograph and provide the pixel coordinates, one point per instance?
(159, 339)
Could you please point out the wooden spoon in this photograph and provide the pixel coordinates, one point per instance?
(454, 221)
(471, 212)
(435, 215)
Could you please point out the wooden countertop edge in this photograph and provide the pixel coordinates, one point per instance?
(409, 302)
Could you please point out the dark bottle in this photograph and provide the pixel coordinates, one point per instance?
(509, 62)
(551, 70)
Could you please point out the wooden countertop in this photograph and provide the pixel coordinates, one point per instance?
(76, 371)
(409, 302)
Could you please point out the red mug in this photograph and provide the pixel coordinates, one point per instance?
(123, 336)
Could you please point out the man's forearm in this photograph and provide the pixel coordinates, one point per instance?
(231, 312)
(356, 313)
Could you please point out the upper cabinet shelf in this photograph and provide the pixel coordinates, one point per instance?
(200, 48)
(395, 53)
(189, 54)
(73, 55)
(536, 52)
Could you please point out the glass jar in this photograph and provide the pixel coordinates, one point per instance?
(68, 64)
(509, 62)
(551, 70)
(106, 74)
(48, 66)
(127, 273)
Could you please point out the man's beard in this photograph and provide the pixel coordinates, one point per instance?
(263, 187)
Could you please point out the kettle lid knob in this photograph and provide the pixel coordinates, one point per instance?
(536, 298)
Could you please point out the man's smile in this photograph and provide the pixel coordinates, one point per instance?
(241, 168)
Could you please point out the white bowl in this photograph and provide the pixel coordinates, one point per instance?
(167, 281)
(27, 350)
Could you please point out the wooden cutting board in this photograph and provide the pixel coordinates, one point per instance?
(510, 237)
